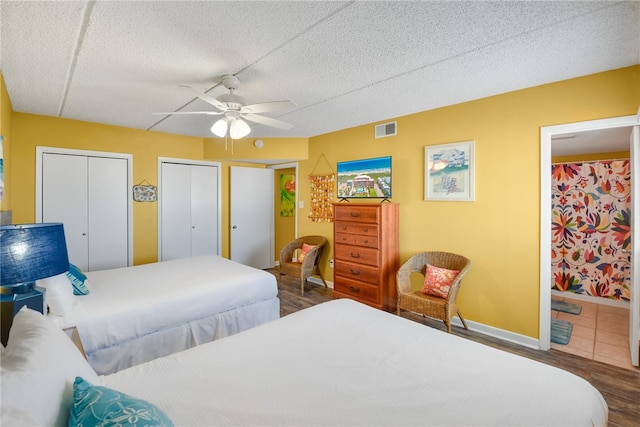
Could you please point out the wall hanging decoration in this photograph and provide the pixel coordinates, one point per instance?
(591, 228)
(321, 193)
(449, 172)
(145, 192)
(287, 194)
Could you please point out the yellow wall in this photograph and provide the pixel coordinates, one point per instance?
(31, 130)
(274, 150)
(5, 130)
(499, 232)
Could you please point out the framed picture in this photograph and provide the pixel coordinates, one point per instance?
(449, 172)
(145, 193)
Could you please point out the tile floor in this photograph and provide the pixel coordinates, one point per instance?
(600, 332)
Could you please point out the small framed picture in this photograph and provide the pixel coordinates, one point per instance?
(449, 172)
(145, 193)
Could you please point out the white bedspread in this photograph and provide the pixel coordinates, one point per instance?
(343, 363)
(138, 313)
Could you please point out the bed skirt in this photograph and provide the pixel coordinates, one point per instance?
(181, 337)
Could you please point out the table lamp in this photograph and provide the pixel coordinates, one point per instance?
(28, 252)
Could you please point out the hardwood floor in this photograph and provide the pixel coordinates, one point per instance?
(620, 387)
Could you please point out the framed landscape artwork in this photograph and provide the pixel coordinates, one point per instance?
(449, 172)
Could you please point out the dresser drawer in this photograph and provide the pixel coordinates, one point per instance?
(345, 227)
(347, 239)
(358, 254)
(357, 272)
(368, 241)
(357, 213)
(357, 290)
(367, 229)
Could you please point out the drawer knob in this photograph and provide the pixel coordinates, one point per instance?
(355, 272)
(355, 255)
(354, 214)
(365, 229)
(366, 240)
(354, 289)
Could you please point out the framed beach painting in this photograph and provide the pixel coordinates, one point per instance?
(449, 172)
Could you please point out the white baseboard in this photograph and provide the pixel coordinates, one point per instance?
(318, 281)
(591, 299)
(499, 333)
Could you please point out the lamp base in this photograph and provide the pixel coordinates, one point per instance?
(10, 304)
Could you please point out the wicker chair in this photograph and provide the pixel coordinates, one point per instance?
(429, 305)
(309, 265)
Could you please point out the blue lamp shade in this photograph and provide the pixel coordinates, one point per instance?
(29, 252)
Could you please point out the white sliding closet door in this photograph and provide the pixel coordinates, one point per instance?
(108, 199)
(175, 223)
(90, 196)
(65, 199)
(189, 210)
(204, 210)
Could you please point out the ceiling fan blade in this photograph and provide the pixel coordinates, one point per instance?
(207, 98)
(211, 113)
(266, 107)
(267, 121)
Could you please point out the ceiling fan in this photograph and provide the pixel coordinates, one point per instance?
(236, 112)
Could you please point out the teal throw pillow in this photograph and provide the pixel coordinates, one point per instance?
(96, 405)
(78, 280)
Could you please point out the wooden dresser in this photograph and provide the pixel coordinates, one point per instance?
(366, 254)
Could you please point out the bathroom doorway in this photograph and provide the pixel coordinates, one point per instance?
(577, 138)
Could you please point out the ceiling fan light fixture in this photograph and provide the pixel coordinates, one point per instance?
(219, 128)
(238, 129)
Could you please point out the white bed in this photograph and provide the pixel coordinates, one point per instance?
(136, 314)
(338, 363)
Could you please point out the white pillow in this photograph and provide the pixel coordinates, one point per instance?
(39, 366)
(59, 294)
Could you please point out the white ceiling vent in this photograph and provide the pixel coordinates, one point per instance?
(386, 129)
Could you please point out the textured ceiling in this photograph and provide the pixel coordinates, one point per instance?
(343, 63)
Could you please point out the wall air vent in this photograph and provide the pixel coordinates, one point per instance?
(386, 129)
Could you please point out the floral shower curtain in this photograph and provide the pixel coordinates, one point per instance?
(591, 237)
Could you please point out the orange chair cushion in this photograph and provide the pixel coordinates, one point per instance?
(305, 251)
(437, 281)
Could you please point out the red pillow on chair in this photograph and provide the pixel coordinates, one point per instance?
(437, 281)
(305, 251)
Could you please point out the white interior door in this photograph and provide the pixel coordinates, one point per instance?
(90, 196)
(64, 199)
(204, 210)
(89, 192)
(251, 220)
(175, 211)
(189, 208)
(634, 303)
(108, 193)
